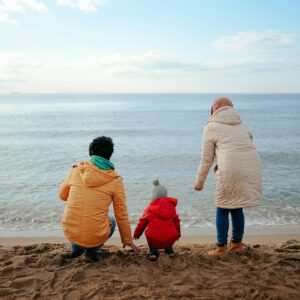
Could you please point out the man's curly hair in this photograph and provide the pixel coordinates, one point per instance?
(102, 146)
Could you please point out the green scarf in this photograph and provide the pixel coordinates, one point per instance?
(102, 163)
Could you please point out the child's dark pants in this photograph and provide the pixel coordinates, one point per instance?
(154, 251)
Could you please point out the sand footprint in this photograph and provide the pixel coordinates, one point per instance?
(71, 295)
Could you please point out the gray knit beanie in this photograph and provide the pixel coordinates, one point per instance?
(159, 191)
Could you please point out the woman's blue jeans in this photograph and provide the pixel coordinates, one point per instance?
(222, 223)
(93, 251)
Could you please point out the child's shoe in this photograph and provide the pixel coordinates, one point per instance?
(153, 255)
(219, 251)
(170, 252)
(237, 248)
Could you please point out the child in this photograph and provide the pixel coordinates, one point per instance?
(161, 222)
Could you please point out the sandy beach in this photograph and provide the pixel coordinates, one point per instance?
(33, 268)
(158, 124)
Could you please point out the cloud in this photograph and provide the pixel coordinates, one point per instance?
(249, 41)
(6, 18)
(85, 5)
(148, 64)
(10, 7)
(16, 66)
(130, 72)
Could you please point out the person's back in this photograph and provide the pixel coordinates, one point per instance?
(239, 167)
(229, 131)
(161, 230)
(89, 189)
(85, 221)
(160, 221)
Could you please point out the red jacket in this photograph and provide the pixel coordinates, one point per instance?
(162, 223)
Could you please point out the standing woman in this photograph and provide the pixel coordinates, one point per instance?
(237, 171)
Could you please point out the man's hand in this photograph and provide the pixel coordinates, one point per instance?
(199, 186)
(133, 246)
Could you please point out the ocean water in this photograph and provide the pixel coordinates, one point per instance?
(156, 136)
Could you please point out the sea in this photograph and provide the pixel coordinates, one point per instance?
(156, 136)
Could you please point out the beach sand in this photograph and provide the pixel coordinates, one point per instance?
(268, 269)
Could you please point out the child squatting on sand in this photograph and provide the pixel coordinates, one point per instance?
(238, 172)
(161, 222)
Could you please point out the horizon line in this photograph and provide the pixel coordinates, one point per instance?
(149, 93)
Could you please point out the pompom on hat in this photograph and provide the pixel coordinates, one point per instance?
(158, 191)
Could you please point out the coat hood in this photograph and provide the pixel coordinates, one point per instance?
(92, 176)
(226, 115)
(163, 208)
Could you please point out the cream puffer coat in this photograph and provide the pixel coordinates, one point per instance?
(229, 141)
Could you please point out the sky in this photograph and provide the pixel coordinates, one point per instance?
(150, 46)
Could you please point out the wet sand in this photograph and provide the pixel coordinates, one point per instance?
(115, 241)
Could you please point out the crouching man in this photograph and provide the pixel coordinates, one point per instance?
(89, 190)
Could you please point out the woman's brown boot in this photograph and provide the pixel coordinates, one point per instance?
(219, 251)
(236, 248)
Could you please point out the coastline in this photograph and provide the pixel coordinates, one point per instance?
(201, 235)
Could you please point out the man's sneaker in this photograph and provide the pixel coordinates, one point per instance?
(71, 255)
(92, 258)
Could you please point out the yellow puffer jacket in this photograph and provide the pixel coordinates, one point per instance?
(89, 191)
